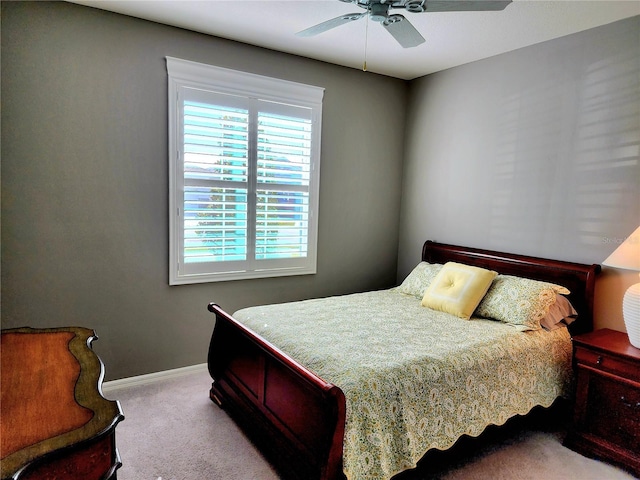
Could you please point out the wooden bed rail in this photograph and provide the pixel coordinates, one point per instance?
(296, 417)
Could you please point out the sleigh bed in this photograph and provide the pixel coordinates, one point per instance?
(363, 385)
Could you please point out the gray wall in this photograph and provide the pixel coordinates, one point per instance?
(85, 182)
(536, 151)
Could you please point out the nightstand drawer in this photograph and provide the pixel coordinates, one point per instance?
(613, 412)
(608, 363)
(606, 416)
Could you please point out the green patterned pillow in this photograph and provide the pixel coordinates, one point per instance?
(419, 279)
(521, 302)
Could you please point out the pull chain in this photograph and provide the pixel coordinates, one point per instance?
(366, 38)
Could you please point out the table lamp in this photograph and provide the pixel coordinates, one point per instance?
(627, 256)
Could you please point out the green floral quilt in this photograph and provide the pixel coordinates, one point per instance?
(414, 379)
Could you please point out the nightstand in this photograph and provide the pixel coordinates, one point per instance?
(606, 419)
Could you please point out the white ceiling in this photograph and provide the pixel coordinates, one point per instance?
(452, 38)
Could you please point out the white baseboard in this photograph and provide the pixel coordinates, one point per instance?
(151, 378)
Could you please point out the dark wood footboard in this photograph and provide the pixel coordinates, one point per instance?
(295, 417)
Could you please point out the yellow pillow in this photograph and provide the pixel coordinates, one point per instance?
(458, 289)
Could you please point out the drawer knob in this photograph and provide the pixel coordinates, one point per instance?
(599, 360)
(629, 404)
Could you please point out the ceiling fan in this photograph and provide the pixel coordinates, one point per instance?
(397, 25)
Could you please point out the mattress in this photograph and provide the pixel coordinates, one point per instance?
(414, 378)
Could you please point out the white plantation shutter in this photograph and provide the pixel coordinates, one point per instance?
(244, 170)
(215, 183)
(283, 173)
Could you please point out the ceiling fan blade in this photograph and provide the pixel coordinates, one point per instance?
(466, 5)
(402, 30)
(329, 24)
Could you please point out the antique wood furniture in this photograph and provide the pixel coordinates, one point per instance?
(296, 417)
(606, 421)
(55, 422)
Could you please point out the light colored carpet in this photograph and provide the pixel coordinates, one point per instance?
(172, 431)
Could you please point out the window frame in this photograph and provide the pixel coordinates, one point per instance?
(184, 75)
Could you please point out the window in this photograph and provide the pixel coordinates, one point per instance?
(244, 166)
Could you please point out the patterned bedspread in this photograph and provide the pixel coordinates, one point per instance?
(414, 379)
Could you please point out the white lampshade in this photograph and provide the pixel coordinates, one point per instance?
(627, 256)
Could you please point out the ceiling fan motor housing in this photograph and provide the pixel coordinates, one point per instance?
(378, 12)
(415, 6)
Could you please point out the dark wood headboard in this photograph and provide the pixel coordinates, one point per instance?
(578, 278)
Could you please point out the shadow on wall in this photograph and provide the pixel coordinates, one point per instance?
(570, 145)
